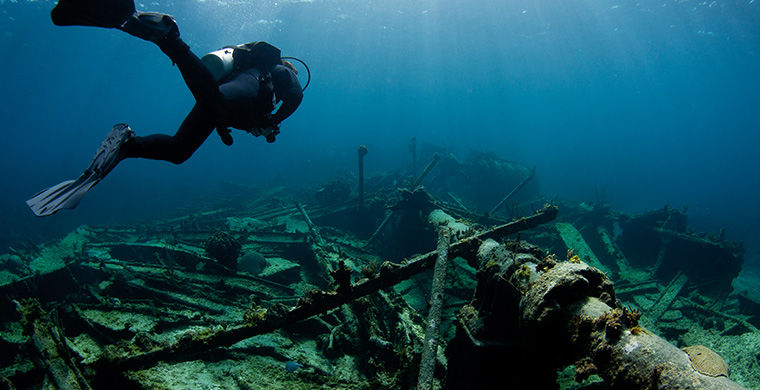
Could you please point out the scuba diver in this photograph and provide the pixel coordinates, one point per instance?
(236, 87)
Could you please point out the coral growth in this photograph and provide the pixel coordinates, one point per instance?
(617, 320)
(546, 263)
(342, 277)
(631, 317)
(523, 273)
(223, 247)
(254, 314)
(572, 257)
(371, 269)
(584, 369)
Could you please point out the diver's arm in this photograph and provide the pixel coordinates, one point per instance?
(288, 89)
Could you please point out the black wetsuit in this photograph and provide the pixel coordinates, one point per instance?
(238, 103)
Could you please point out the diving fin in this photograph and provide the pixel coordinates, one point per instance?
(66, 195)
(151, 26)
(98, 13)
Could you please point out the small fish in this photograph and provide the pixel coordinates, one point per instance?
(292, 366)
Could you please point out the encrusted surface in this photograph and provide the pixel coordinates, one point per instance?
(706, 362)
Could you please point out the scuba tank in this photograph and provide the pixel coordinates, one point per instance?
(219, 62)
(230, 59)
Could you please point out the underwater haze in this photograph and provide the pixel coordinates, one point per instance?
(640, 104)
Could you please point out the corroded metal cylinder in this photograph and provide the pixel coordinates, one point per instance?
(534, 315)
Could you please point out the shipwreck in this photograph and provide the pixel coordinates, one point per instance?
(427, 279)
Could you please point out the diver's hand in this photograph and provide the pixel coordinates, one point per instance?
(269, 132)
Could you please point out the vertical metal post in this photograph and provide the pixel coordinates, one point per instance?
(362, 152)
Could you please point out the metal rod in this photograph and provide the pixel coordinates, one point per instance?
(430, 166)
(459, 202)
(312, 229)
(514, 191)
(380, 228)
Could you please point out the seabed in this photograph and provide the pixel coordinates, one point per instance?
(392, 286)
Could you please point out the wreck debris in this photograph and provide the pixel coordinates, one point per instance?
(334, 193)
(742, 323)
(430, 348)
(405, 193)
(660, 240)
(573, 239)
(410, 228)
(474, 180)
(172, 297)
(415, 199)
(316, 301)
(514, 191)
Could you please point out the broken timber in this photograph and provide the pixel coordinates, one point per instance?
(668, 296)
(52, 352)
(316, 301)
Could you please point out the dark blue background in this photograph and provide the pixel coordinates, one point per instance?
(644, 104)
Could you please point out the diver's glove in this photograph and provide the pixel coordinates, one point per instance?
(269, 128)
(269, 132)
(224, 134)
(270, 137)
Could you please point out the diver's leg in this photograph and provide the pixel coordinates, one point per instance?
(162, 30)
(194, 130)
(198, 78)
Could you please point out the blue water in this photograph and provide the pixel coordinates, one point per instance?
(642, 103)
